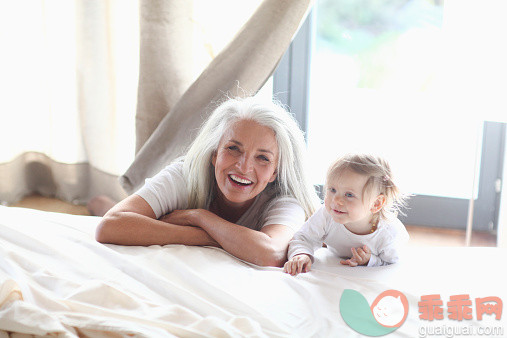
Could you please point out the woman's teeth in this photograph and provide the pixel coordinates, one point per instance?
(240, 180)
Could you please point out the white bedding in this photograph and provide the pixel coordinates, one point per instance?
(56, 279)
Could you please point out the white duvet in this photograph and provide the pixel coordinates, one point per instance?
(55, 279)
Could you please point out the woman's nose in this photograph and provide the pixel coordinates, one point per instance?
(244, 163)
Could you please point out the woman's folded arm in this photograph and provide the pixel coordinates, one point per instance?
(133, 222)
(267, 247)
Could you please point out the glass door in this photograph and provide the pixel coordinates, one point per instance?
(389, 77)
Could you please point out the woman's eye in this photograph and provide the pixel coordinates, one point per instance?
(263, 158)
(349, 195)
(332, 190)
(233, 148)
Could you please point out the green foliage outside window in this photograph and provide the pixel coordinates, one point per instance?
(368, 30)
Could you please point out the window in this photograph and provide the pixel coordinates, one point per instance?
(410, 80)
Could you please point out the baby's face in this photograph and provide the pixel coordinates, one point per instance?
(345, 200)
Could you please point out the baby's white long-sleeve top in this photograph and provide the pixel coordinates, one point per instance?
(384, 243)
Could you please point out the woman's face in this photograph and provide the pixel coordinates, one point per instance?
(245, 162)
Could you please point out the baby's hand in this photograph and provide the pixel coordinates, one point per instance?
(360, 256)
(299, 263)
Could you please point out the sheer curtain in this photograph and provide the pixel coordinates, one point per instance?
(85, 84)
(68, 93)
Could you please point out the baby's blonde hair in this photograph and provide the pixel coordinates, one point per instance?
(380, 179)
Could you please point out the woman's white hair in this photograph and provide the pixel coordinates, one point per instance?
(291, 179)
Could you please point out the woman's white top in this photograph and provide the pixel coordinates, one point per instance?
(167, 191)
(385, 243)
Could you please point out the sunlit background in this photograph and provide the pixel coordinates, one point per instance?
(411, 80)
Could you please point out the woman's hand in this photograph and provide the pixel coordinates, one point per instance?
(188, 217)
(299, 263)
(182, 217)
(360, 256)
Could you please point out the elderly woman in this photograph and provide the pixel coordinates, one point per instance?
(241, 186)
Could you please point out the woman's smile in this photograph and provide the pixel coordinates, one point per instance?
(243, 182)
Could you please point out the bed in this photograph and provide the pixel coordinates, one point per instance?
(55, 279)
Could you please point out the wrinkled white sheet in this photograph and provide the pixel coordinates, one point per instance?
(55, 279)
